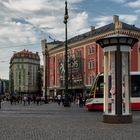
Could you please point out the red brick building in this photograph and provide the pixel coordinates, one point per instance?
(85, 58)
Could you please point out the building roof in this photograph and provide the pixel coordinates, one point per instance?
(92, 33)
(55, 42)
(26, 54)
(95, 32)
(130, 27)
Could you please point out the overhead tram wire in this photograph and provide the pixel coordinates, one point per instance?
(19, 46)
(34, 26)
(40, 29)
(2, 59)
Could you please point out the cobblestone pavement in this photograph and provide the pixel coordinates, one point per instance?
(53, 122)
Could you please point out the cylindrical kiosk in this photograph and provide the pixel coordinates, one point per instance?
(117, 78)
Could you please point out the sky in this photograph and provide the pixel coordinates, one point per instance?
(24, 23)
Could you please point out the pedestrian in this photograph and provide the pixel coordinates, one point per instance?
(24, 100)
(38, 99)
(11, 100)
(0, 102)
(63, 98)
(29, 100)
(80, 100)
(34, 99)
(86, 97)
(77, 100)
(59, 99)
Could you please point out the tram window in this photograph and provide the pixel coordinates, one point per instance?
(135, 85)
(99, 88)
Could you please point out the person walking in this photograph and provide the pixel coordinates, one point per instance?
(29, 100)
(24, 100)
(59, 99)
(80, 100)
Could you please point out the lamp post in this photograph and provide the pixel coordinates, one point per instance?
(66, 100)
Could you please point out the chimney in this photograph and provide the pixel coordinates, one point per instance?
(115, 19)
(92, 28)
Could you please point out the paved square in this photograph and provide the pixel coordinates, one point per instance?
(53, 122)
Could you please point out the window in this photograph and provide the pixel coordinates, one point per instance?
(135, 85)
(91, 50)
(19, 75)
(91, 79)
(22, 66)
(18, 66)
(99, 88)
(78, 53)
(91, 64)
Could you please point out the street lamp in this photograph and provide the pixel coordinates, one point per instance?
(66, 100)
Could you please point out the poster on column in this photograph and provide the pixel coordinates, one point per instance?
(124, 80)
(112, 89)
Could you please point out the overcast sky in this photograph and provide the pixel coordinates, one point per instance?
(23, 23)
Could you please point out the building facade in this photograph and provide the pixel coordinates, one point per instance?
(4, 87)
(24, 73)
(85, 58)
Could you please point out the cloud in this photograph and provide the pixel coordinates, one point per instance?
(78, 23)
(24, 22)
(137, 11)
(103, 20)
(119, 1)
(14, 33)
(130, 19)
(36, 5)
(20, 5)
(135, 4)
(40, 17)
(74, 1)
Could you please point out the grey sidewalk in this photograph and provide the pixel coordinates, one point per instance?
(53, 122)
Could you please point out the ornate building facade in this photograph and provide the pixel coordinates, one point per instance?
(24, 73)
(85, 58)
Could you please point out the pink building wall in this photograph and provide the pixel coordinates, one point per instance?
(97, 56)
